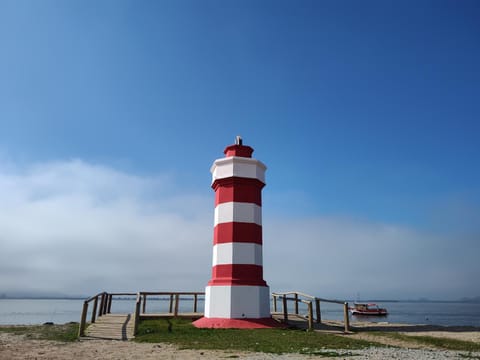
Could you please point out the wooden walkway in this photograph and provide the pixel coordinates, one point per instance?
(121, 326)
(111, 327)
(105, 325)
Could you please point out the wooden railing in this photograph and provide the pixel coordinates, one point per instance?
(174, 298)
(102, 304)
(173, 308)
(105, 307)
(310, 301)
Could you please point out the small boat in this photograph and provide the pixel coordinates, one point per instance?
(367, 309)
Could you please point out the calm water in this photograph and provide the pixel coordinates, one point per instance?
(62, 311)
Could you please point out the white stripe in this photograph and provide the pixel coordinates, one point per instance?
(238, 212)
(237, 253)
(238, 166)
(237, 302)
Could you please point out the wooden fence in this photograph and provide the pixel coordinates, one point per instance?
(105, 306)
(310, 301)
(174, 305)
(102, 304)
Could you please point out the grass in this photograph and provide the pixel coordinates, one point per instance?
(441, 343)
(183, 334)
(66, 333)
(277, 341)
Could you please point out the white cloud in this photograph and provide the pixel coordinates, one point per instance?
(335, 257)
(77, 228)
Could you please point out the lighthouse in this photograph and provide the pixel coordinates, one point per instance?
(237, 296)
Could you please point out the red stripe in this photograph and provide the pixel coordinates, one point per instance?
(239, 190)
(237, 274)
(237, 232)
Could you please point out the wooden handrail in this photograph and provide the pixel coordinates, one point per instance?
(102, 304)
(172, 292)
(98, 310)
(94, 296)
(123, 294)
(297, 293)
(83, 317)
(175, 297)
(296, 296)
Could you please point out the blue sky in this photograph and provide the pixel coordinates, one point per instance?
(366, 114)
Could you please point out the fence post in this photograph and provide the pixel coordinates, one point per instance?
(144, 303)
(137, 315)
(274, 303)
(285, 310)
(100, 308)
(319, 314)
(346, 318)
(83, 320)
(105, 304)
(177, 300)
(94, 310)
(296, 303)
(310, 316)
(109, 308)
(170, 309)
(195, 299)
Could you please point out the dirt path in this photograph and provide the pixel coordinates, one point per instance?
(17, 347)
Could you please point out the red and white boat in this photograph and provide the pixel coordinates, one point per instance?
(367, 309)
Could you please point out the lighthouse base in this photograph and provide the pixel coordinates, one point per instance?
(222, 323)
(237, 302)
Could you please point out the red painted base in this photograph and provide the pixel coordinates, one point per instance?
(221, 323)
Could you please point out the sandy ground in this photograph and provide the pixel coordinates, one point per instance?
(465, 335)
(14, 347)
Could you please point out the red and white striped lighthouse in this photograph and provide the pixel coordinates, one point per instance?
(237, 296)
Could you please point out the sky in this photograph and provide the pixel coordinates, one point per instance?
(365, 113)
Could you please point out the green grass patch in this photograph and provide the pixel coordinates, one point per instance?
(441, 343)
(277, 341)
(67, 332)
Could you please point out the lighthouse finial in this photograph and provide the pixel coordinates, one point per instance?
(238, 140)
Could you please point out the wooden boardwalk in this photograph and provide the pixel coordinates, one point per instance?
(105, 325)
(121, 326)
(111, 327)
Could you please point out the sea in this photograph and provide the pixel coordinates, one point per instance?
(61, 311)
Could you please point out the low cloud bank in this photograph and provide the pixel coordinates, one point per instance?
(76, 228)
(346, 258)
